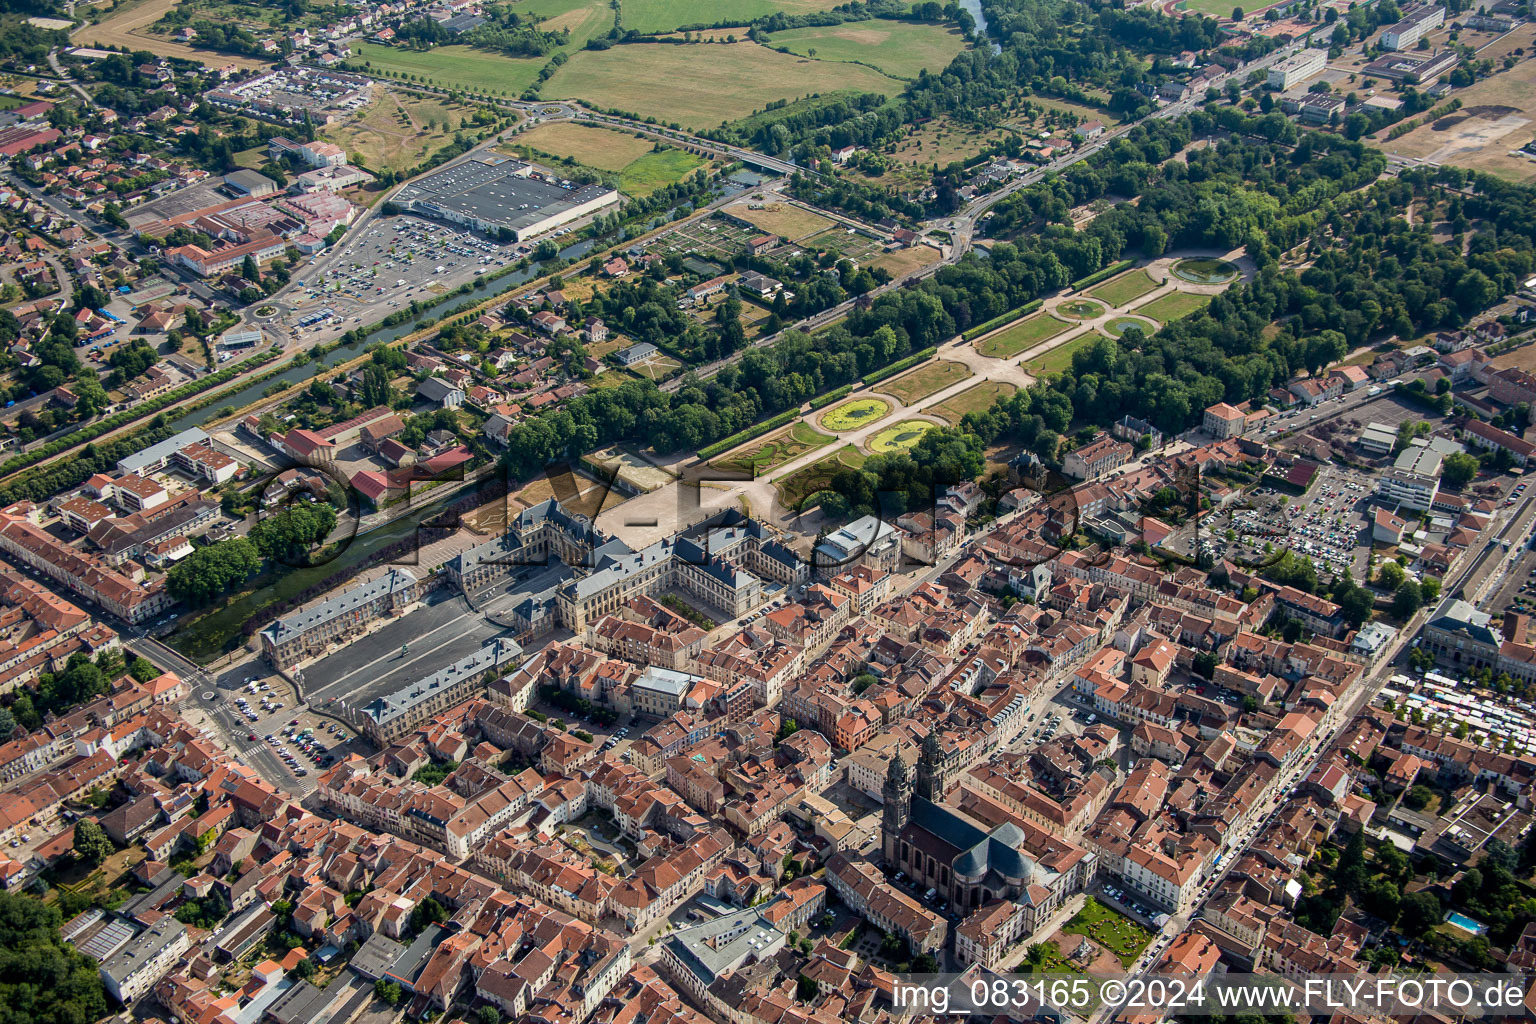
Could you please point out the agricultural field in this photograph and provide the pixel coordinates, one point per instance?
(901, 49)
(655, 16)
(657, 170)
(700, 86)
(1021, 336)
(940, 141)
(1058, 358)
(795, 488)
(982, 396)
(129, 28)
(1118, 291)
(904, 261)
(641, 168)
(1172, 306)
(598, 148)
(930, 378)
(586, 19)
(1495, 120)
(853, 414)
(453, 67)
(782, 446)
(899, 436)
(783, 219)
(398, 130)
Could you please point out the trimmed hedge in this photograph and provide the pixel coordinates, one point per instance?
(832, 396)
(755, 430)
(1103, 275)
(972, 333)
(900, 364)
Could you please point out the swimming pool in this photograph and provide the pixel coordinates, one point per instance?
(1466, 923)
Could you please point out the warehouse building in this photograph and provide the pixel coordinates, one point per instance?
(496, 194)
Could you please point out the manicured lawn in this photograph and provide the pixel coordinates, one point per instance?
(1117, 326)
(1057, 359)
(1021, 336)
(853, 414)
(931, 377)
(1173, 306)
(658, 369)
(1213, 8)
(1115, 932)
(459, 67)
(795, 488)
(1080, 309)
(895, 47)
(701, 85)
(1117, 291)
(781, 446)
(899, 436)
(975, 399)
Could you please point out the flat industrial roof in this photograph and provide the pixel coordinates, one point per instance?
(493, 190)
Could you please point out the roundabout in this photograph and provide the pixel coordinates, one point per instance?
(266, 311)
(1080, 309)
(899, 437)
(853, 414)
(1117, 327)
(1205, 270)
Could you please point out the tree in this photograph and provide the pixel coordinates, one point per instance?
(92, 844)
(1408, 599)
(211, 571)
(42, 980)
(388, 991)
(428, 911)
(1205, 664)
(488, 1015)
(1419, 912)
(1458, 469)
(249, 271)
(1391, 575)
(1237, 14)
(143, 670)
(1418, 798)
(1429, 587)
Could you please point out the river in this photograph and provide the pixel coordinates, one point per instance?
(973, 7)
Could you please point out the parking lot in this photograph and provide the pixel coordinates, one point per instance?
(396, 261)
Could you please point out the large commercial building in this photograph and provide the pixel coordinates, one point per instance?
(1295, 70)
(494, 194)
(1413, 480)
(1416, 22)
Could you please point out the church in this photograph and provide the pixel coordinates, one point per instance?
(970, 866)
